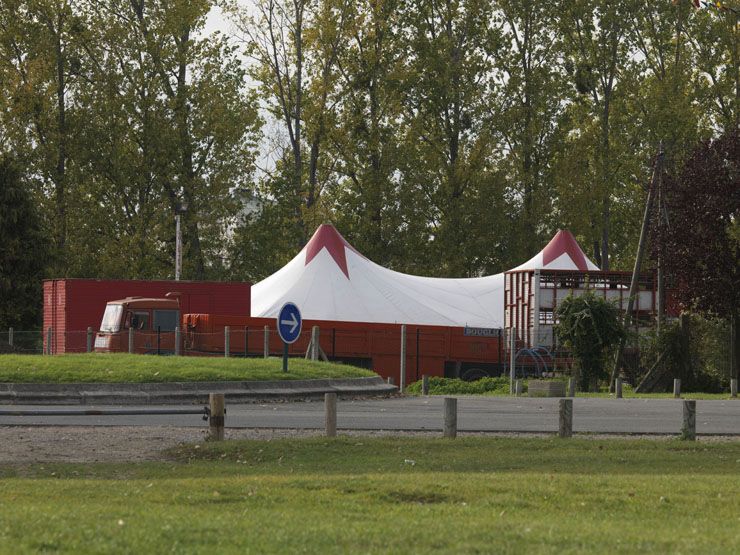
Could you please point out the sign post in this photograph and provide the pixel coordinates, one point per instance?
(289, 328)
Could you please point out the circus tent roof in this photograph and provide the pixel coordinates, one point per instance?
(330, 280)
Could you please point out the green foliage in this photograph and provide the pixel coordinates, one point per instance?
(24, 250)
(590, 326)
(112, 368)
(448, 139)
(451, 386)
(699, 355)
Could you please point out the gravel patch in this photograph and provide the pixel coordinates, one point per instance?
(89, 444)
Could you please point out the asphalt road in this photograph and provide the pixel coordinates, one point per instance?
(475, 414)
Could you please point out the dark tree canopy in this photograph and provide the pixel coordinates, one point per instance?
(701, 240)
(23, 252)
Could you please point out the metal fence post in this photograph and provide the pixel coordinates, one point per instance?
(49, 336)
(266, 347)
(315, 343)
(565, 420)
(10, 337)
(330, 414)
(450, 425)
(402, 376)
(425, 385)
(688, 431)
(177, 340)
(217, 418)
(512, 359)
(89, 339)
(131, 340)
(227, 341)
(677, 388)
(618, 388)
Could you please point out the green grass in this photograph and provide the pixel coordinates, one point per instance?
(500, 387)
(116, 368)
(364, 495)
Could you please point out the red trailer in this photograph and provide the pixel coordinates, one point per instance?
(73, 305)
(467, 353)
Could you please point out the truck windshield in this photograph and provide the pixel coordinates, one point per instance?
(112, 318)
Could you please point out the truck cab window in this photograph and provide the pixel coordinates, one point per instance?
(166, 320)
(112, 318)
(140, 321)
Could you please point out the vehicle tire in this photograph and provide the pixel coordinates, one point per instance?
(472, 374)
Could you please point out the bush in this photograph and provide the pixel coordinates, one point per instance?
(590, 327)
(453, 386)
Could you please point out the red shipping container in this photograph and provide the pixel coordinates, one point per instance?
(73, 305)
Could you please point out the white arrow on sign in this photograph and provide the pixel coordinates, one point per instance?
(293, 322)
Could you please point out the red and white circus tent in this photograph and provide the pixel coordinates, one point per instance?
(330, 280)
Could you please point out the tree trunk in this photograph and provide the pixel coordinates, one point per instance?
(60, 171)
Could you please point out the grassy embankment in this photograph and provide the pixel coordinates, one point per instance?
(500, 386)
(378, 495)
(116, 368)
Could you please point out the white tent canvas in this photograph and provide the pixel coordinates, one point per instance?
(330, 280)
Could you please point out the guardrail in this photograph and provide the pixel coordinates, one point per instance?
(214, 413)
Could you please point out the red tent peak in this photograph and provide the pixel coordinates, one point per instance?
(326, 236)
(564, 242)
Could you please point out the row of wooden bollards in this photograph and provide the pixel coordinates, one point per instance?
(217, 417)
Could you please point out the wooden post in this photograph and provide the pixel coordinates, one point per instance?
(131, 340)
(677, 388)
(227, 341)
(518, 388)
(565, 423)
(402, 376)
(330, 413)
(425, 385)
(89, 339)
(177, 340)
(618, 388)
(450, 426)
(49, 336)
(315, 343)
(512, 359)
(217, 419)
(571, 387)
(733, 387)
(688, 431)
(266, 347)
(10, 336)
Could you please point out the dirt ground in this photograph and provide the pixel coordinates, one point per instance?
(35, 444)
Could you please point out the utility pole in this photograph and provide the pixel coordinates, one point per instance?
(180, 209)
(644, 232)
(178, 247)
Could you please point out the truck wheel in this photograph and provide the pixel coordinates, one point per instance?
(473, 374)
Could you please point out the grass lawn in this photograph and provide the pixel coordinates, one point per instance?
(110, 368)
(385, 495)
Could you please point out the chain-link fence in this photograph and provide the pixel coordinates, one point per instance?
(469, 353)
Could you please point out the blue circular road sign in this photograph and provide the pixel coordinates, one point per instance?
(289, 323)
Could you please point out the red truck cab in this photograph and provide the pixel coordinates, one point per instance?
(153, 321)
